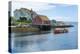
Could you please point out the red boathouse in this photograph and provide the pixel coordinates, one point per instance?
(42, 22)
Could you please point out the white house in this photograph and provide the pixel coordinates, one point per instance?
(23, 12)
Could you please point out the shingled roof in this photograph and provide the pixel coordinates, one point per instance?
(44, 18)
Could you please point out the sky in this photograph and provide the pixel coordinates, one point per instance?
(58, 12)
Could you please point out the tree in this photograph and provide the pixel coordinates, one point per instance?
(23, 18)
(13, 20)
(54, 23)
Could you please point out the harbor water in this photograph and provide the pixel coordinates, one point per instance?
(21, 42)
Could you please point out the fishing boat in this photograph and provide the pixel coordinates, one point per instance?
(60, 30)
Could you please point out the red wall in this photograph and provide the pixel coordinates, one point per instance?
(38, 21)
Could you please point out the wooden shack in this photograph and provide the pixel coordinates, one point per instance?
(42, 22)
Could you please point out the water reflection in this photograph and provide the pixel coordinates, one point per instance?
(20, 43)
(45, 42)
(23, 42)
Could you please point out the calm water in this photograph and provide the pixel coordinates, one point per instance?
(45, 42)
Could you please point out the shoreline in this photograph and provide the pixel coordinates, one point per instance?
(20, 34)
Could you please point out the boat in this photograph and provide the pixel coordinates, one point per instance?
(60, 30)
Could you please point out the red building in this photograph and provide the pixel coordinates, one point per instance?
(41, 20)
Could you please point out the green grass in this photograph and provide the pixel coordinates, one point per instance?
(23, 22)
(24, 29)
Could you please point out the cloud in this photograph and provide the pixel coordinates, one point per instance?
(61, 5)
(36, 6)
(63, 18)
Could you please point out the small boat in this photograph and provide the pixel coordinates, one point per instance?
(60, 30)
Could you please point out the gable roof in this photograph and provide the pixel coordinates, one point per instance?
(42, 17)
